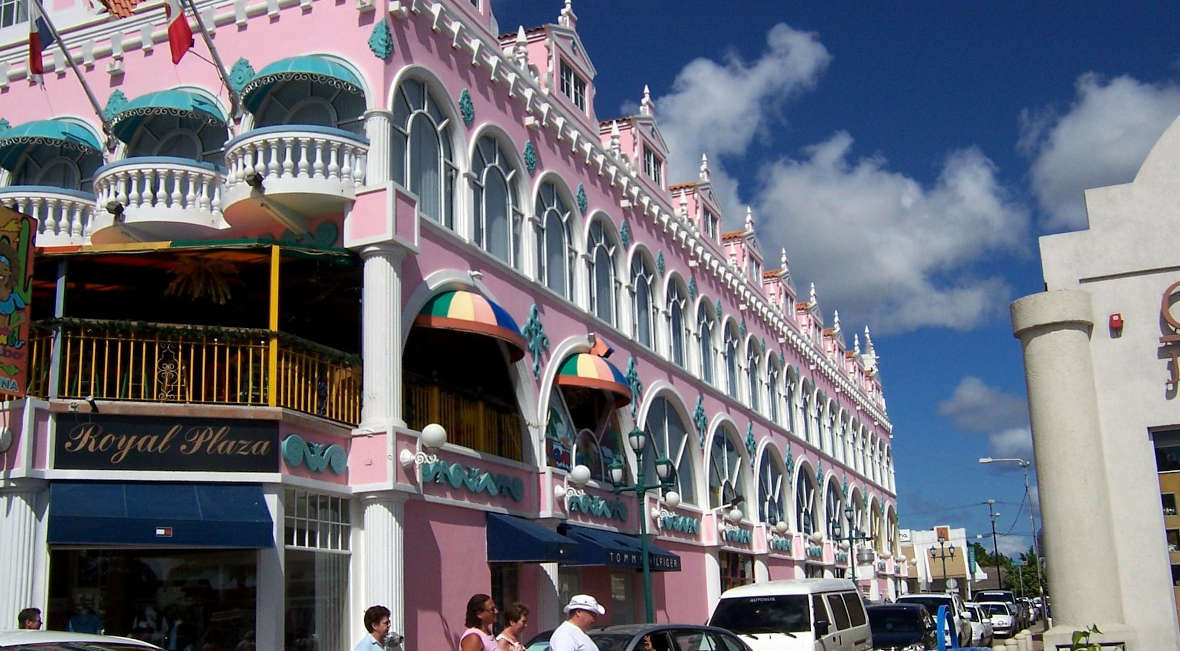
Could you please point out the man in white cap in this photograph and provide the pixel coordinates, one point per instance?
(582, 611)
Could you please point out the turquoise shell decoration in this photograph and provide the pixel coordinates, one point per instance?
(381, 40)
(466, 108)
(530, 157)
(115, 105)
(241, 74)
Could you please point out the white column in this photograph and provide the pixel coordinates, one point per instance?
(547, 613)
(1054, 330)
(378, 126)
(383, 561)
(381, 408)
(271, 581)
(761, 570)
(23, 572)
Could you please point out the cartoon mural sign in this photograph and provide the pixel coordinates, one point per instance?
(16, 290)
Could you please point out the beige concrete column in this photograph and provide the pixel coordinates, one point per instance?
(1054, 330)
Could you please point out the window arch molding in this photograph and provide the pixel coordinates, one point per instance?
(775, 378)
(704, 346)
(805, 490)
(727, 461)
(448, 204)
(732, 354)
(547, 209)
(641, 265)
(753, 378)
(602, 239)
(473, 222)
(676, 337)
(791, 399)
(833, 504)
(687, 458)
(772, 484)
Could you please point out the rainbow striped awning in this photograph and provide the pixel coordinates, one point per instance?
(594, 372)
(471, 312)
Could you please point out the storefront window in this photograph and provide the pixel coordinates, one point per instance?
(176, 598)
(622, 597)
(316, 532)
(505, 579)
(736, 569)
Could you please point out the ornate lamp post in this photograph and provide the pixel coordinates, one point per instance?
(852, 536)
(637, 439)
(942, 553)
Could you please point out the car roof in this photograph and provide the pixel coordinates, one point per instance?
(913, 607)
(926, 595)
(18, 637)
(633, 629)
(788, 587)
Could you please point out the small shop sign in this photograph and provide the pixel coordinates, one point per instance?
(594, 505)
(473, 479)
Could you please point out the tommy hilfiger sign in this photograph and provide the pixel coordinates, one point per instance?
(118, 442)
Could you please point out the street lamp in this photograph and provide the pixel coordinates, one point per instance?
(1024, 465)
(942, 553)
(852, 536)
(637, 440)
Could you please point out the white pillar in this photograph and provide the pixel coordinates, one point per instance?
(1054, 330)
(23, 572)
(761, 570)
(378, 127)
(547, 613)
(381, 407)
(383, 561)
(271, 579)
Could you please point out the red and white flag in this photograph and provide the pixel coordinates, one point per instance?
(40, 38)
(180, 35)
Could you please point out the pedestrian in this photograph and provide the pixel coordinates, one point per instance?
(582, 610)
(481, 614)
(29, 618)
(516, 617)
(377, 625)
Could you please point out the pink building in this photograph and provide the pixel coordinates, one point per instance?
(252, 295)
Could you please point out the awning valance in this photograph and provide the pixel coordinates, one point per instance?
(466, 311)
(594, 372)
(516, 540)
(181, 103)
(318, 69)
(52, 133)
(601, 547)
(159, 513)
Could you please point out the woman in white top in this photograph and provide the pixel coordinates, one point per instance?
(516, 617)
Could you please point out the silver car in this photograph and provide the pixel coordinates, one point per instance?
(63, 641)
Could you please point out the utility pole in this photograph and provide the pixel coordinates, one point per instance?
(995, 545)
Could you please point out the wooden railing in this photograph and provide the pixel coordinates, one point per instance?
(156, 362)
(481, 423)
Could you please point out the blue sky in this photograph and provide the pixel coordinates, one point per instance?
(907, 155)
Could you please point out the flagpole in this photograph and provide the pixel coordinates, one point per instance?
(234, 100)
(106, 124)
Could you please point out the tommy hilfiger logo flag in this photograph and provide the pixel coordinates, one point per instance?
(40, 38)
(180, 35)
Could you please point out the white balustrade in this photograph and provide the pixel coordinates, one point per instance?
(294, 155)
(161, 189)
(63, 217)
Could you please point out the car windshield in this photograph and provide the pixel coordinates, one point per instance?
(996, 609)
(610, 641)
(890, 620)
(932, 603)
(769, 614)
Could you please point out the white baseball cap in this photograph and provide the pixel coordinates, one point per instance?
(584, 602)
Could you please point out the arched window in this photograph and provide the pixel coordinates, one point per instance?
(752, 374)
(67, 167)
(643, 306)
(705, 342)
(805, 503)
(582, 428)
(834, 507)
(772, 499)
(772, 373)
(421, 155)
(808, 399)
(667, 437)
(494, 202)
(182, 137)
(731, 363)
(726, 472)
(313, 103)
(792, 396)
(555, 252)
(602, 273)
(677, 324)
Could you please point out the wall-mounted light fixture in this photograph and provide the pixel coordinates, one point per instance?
(116, 209)
(573, 486)
(432, 438)
(254, 180)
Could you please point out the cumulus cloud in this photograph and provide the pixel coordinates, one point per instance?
(883, 248)
(1101, 140)
(1003, 417)
(717, 108)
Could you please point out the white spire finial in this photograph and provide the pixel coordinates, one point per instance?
(704, 168)
(856, 344)
(782, 259)
(567, 18)
(645, 106)
(614, 137)
(835, 321)
(749, 220)
(520, 51)
(869, 343)
(811, 301)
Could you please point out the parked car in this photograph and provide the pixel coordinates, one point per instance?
(982, 631)
(954, 605)
(796, 614)
(902, 626)
(1003, 619)
(1008, 597)
(662, 637)
(63, 641)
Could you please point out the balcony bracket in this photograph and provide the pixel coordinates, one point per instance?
(288, 217)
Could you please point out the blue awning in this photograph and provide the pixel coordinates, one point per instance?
(157, 513)
(180, 103)
(311, 67)
(601, 547)
(516, 540)
(52, 133)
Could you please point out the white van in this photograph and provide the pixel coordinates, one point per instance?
(796, 615)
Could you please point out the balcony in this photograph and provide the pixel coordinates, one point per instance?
(64, 217)
(168, 363)
(476, 422)
(157, 198)
(291, 174)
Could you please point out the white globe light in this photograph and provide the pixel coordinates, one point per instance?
(672, 499)
(780, 526)
(433, 435)
(579, 475)
(735, 515)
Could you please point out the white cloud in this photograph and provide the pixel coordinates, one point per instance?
(1102, 140)
(718, 108)
(882, 248)
(1011, 443)
(976, 407)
